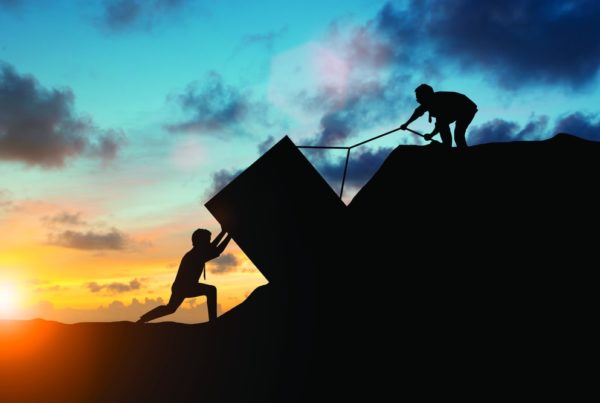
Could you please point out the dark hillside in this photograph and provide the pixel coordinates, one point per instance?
(452, 273)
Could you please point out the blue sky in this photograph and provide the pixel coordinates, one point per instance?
(119, 118)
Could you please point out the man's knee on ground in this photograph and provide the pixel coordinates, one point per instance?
(171, 308)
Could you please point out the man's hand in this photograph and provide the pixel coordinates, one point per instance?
(428, 136)
(403, 127)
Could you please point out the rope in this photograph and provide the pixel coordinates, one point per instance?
(348, 148)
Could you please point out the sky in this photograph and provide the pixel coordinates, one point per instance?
(119, 119)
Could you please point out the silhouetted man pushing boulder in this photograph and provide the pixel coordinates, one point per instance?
(446, 107)
(186, 283)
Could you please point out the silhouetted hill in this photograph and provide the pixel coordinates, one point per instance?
(452, 273)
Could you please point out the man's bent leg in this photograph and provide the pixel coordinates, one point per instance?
(163, 310)
(446, 136)
(460, 130)
(211, 298)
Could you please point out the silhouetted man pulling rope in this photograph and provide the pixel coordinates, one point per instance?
(446, 108)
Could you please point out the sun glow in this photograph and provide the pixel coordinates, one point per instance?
(8, 301)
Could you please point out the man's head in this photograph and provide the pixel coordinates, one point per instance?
(424, 93)
(201, 237)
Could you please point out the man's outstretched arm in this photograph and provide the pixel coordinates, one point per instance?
(419, 111)
(223, 244)
(219, 246)
(218, 238)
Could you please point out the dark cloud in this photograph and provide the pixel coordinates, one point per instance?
(223, 264)
(500, 130)
(90, 240)
(114, 288)
(220, 179)
(213, 106)
(123, 15)
(580, 124)
(107, 146)
(362, 165)
(335, 128)
(367, 105)
(39, 127)
(64, 218)
(516, 41)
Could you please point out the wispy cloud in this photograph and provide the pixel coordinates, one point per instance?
(265, 39)
(90, 240)
(125, 15)
(220, 179)
(114, 288)
(212, 106)
(223, 264)
(50, 289)
(64, 218)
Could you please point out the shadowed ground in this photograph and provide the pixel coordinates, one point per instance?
(467, 272)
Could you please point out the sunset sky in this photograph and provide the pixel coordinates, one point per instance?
(120, 118)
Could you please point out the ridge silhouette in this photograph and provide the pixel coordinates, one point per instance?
(463, 284)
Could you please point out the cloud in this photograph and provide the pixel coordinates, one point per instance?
(50, 288)
(266, 145)
(124, 15)
(362, 165)
(223, 264)
(500, 130)
(267, 39)
(213, 106)
(107, 146)
(220, 179)
(90, 240)
(517, 42)
(537, 128)
(580, 124)
(39, 127)
(114, 288)
(118, 311)
(358, 85)
(365, 105)
(64, 218)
